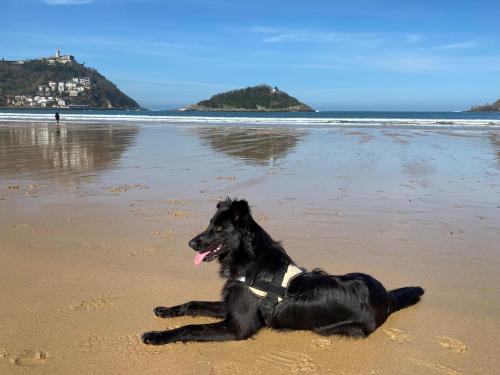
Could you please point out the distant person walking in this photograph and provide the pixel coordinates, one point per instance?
(57, 117)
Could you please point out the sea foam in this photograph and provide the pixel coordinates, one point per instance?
(257, 121)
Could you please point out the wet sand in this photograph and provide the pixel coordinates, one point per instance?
(95, 219)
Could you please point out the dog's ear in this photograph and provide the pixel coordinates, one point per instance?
(225, 203)
(240, 209)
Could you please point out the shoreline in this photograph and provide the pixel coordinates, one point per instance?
(339, 120)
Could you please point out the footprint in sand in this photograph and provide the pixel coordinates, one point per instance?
(174, 202)
(93, 344)
(165, 235)
(322, 343)
(128, 340)
(434, 366)
(24, 227)
(288, 361)
(227, 178)
(396, 335)
(31, 358)
(179, 214)
(145, 252)
(224, 368)
(92, 303)
(452, 344)
(124, 188)
(3, 354)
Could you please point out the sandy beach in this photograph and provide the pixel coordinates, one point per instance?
(95, 220)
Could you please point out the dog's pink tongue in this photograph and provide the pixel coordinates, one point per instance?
(199, 258)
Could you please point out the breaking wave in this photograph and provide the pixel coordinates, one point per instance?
(258, 121)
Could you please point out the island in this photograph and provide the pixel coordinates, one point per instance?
(495, 107)
(58, 81)
(261, 98)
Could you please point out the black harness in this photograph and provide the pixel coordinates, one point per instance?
(272, 288)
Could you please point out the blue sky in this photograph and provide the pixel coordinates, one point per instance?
(338, 55)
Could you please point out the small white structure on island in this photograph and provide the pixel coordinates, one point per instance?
(58, 58)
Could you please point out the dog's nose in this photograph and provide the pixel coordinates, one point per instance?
(192, 243)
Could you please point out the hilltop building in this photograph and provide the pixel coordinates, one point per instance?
(58, 58)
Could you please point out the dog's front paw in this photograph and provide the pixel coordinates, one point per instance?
(166, 312)
(155, 338)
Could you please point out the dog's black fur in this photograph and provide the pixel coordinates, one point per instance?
(352, 305)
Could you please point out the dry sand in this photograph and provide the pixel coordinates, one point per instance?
(95, 219)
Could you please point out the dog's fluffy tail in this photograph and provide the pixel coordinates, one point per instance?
(404, 297)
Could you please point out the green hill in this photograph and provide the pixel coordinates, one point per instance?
(256, 98)
(495, 107)
(65, 81)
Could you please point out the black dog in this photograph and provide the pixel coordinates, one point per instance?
(260, 292)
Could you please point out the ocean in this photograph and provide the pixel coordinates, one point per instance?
(453, 120)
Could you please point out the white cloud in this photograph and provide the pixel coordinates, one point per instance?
(401, 63)
(264, 29)
(67, 2)
(74, 43)
(410, 63)
(457, 45)
(365, 39)
(407, 64)
(373, 39)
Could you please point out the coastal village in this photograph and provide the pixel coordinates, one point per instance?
(52, 94)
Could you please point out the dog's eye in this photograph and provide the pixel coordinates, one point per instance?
(219, 228)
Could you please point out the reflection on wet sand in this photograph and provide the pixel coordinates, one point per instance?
(33, 148)
(495, 142)
(254, 145)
